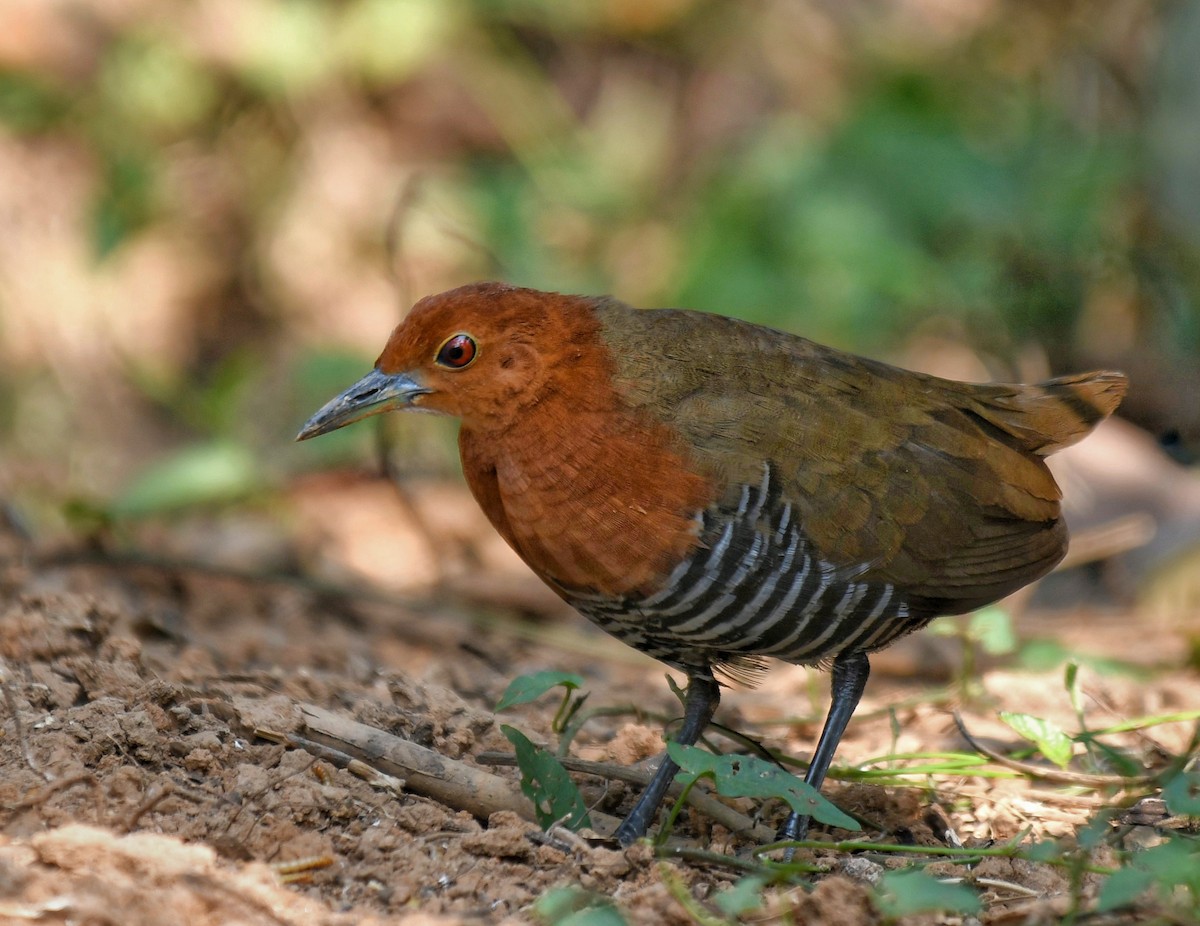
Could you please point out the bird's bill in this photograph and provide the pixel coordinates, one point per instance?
(374, 393)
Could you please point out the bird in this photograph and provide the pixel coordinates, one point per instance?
(713, 492)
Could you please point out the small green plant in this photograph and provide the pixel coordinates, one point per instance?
(556, 798)
(1049, 738)
(1098, 756)
(750, 776)
(526, 688)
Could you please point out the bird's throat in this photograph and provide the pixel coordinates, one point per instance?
(608, 505)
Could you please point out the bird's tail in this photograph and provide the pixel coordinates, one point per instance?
(1049, 416)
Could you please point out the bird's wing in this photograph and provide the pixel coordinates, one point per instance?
(934, 486)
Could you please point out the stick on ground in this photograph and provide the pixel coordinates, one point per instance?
(465, 787)
(426, 772)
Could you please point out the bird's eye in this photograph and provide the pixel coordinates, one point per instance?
(457, 352)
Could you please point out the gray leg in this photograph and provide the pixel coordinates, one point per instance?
(850, 672)
(701, 702)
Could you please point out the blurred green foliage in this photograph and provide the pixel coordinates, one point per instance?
(853, 172)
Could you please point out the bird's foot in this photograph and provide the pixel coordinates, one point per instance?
(794, 829)
(629, 832)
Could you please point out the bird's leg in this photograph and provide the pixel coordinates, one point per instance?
(850, 671)
(699, 705)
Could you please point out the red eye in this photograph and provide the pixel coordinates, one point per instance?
(457, 352)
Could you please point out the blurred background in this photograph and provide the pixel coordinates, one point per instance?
(212, 214)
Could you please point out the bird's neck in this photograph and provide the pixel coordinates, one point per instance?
(592, 495)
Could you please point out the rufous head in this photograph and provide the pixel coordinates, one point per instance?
(479, 353)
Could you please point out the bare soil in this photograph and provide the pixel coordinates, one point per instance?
(137, 788)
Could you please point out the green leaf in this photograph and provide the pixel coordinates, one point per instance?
(1182, 794)
(992, 627)
(743, 897)
(544, 781)
(570, 906)
(124, 201)
(1053, 743)
(750, 776)
(1046, 851)
(198, 475)
(911, 890)
(1122, 888)
(526, 688)
(1074, 690)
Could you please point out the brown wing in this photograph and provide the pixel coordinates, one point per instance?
(935, 486)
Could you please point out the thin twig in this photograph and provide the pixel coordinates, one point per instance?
(627, 773)
(157, 796)
(707, 857)
(1019, 889)
(1055, 776)
(338, 759)
(966, 854)
(18, 728)
(56, 785)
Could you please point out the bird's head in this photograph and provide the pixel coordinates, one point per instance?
(478, 353)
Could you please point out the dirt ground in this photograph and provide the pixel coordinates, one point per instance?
(137, 788)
